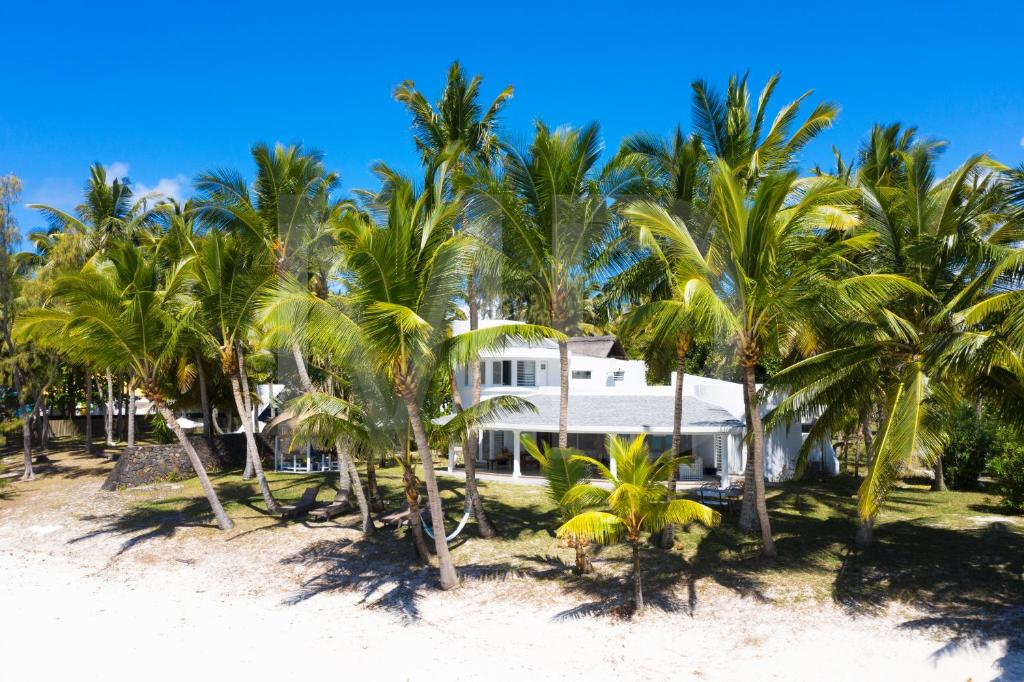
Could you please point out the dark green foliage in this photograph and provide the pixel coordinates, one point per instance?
(1007, 468)
(973, 439)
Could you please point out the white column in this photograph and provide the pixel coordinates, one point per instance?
(723, 472)
(516, 472)
(309, 458)
(611, 465)
(480, 447)
(451, 457)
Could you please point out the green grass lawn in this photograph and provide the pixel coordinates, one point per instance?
(952, 552)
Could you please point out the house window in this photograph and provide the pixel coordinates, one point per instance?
(619, 374)
(465, 375)
(719, 450)
(581, 374)
(483, 373)
(526, 373)
(501, 371)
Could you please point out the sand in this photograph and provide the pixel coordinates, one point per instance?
(84, 599)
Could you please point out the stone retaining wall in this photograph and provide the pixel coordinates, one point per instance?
(154, 463)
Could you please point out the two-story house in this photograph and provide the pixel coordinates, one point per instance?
(609, 394)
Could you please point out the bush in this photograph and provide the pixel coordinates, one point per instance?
(1007, 468)
(972, 441)
(161, 432)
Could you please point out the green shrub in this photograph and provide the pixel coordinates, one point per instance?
(972, 441)
(160, 430)
(1007, 468)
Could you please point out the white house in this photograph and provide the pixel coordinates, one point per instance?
(609, 394)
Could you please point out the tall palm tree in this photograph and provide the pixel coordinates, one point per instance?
(286, 213)
(737, 131)
(405, 268)
(547, 212)
(124, 312)
(454, 131)
(229, 279)
(950, 238)
(637, 503)
(767, 273)
(109, 212)
(674, 174)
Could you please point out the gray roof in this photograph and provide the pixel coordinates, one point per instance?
(608, 411)
(597, 346)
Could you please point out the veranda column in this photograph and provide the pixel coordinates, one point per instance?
(480, 447)
(611, 466)
(516, 471)
(451, 457)
(727, 447)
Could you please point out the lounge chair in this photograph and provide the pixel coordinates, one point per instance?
(305, 503)
(399, 517)
(338, 506)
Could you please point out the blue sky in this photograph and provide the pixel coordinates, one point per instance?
(166, 91)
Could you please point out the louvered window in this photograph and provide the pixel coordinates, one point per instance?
(526, 373)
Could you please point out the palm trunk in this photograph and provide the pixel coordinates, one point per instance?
(44, 425)
(668, 535)
(108, 417)
(754, 512)
(357, 487)
(563, 394)
(26, 439)
(412, 500)
(939, 484)
(449, 579)
(484, 524)
(197, 465)
(583, 563)
(372, 489)
(638, 588)
(300, 366)
(865, 428)
(344, 475)
(130, 437)
(88, 411)
(204, 399)
(240, 389)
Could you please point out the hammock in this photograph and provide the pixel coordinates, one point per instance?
(458, 529)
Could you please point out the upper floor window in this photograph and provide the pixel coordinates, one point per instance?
(501, 372)
(581, 374)
(526, 373)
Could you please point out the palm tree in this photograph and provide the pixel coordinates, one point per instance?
(637, 503)
(950, 239)
(405, 268)
(108, 212)
(674, 174)
(286, 215)
(122, 311)
(229, 280)
(547, 212)
(453, 132)
(562, 470)
(740, 134)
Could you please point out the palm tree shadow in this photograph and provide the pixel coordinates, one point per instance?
(386, 572)
(976, 598)
(145, 524)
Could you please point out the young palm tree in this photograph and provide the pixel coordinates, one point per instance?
(563, 469)
(122, 311)
(637, 503)
(453, 132)
(547, 213)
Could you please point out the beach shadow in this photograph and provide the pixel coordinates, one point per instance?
(145, 524)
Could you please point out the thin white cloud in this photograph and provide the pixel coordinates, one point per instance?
(116, 171)
(1022, 142)
(165, 188)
